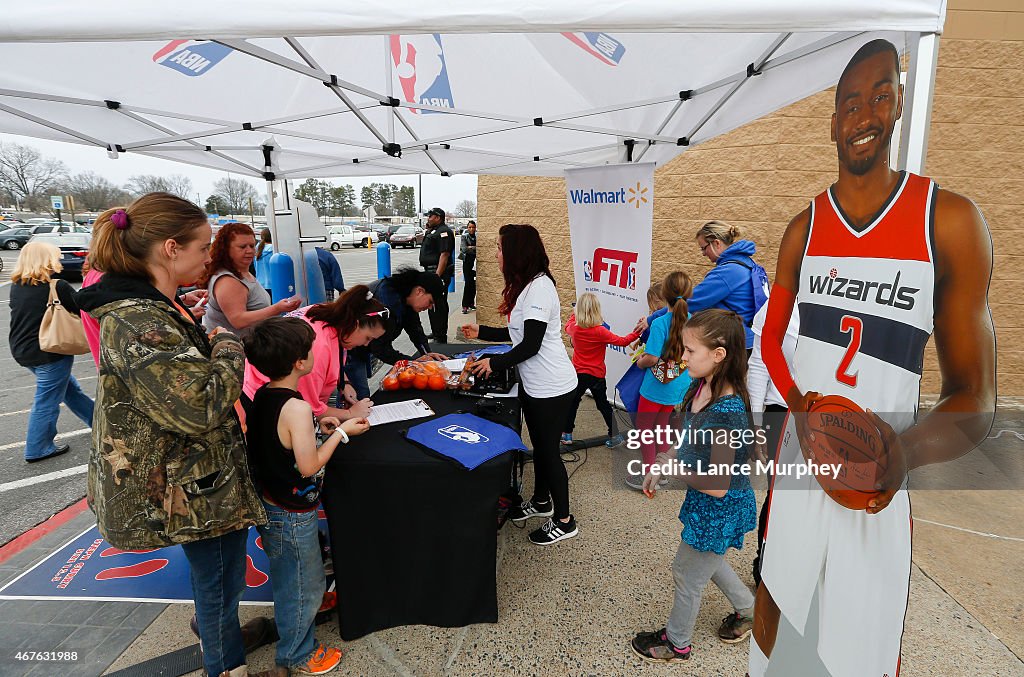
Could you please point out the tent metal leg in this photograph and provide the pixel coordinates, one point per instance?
(917, 102)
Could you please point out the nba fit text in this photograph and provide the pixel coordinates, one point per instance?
(733, 438)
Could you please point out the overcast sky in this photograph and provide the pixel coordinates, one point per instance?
(438, 191)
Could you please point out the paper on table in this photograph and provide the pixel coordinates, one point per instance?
(399, 411)
(455, 365)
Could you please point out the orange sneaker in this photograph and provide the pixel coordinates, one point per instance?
(323, 660)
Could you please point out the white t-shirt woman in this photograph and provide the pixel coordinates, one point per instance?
(546, 375)
(549, 373)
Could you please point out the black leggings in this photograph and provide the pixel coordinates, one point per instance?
(544, 418)
(598, 387)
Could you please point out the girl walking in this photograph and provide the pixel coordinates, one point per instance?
(718, 509)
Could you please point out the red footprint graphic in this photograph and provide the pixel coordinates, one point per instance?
(111, 551)
(254, 578)
(132, 571)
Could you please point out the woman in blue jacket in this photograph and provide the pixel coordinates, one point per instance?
(728, 285)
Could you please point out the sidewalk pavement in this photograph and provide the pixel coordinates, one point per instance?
(571, 609)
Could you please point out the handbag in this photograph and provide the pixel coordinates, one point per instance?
(61, 331)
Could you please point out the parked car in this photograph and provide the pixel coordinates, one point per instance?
(342, 236)
(15, 238)
(56, 226)
(407, 236)
(74, 248)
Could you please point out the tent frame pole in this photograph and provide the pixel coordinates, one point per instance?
(917, 100)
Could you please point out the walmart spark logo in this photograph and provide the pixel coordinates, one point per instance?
(637, 195)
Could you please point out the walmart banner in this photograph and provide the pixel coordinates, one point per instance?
(611, 211)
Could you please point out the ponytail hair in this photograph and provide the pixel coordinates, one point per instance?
(264, 241)
(124, 237)
(721, 231)
(675, 289)
(350, 311)
(717, 328)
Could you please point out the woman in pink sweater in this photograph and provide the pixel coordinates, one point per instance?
(590, 338)
(355, 319)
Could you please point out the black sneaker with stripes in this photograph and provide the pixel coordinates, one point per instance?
(532, 508)
(553, 531)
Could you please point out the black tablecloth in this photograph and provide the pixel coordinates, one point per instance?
(413, 536)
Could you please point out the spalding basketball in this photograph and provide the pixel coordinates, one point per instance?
(844, 434)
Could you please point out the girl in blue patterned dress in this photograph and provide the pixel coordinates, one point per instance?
(719, 508)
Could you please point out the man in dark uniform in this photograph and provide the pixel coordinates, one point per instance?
(467, 252)
(436, 257)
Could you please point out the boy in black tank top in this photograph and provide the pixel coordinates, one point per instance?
(288, 470)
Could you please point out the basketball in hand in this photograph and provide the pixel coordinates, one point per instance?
(845, 435)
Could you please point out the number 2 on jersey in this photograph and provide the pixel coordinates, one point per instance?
(854, 327)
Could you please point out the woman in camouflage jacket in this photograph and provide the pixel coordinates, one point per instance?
(168, 464)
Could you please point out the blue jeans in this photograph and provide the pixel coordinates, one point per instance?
(218, 581)
(54, 384)
(292, 544)
(356, 368)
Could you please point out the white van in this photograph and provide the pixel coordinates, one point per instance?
(342, 236)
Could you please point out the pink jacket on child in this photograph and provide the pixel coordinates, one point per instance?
(317, 386)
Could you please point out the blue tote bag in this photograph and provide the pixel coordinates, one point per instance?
(465, 439)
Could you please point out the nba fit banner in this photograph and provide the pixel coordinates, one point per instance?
(611, 210)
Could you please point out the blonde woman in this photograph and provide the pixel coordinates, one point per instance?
(729, 287)
(590, 337)
(30, 292)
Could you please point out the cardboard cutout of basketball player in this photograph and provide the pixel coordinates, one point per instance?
(877, 263)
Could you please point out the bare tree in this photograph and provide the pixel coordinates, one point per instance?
(465, 209)
(235, 193)
(176, 184)
(29, 176)
(180, 185)
(93, 192)
(140, 184)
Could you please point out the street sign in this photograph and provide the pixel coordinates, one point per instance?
(56, 202)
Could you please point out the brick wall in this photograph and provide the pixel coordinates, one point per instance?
(761, 175)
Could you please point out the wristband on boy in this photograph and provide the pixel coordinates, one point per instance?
(342, 433)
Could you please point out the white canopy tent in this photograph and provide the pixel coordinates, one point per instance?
(316, 88)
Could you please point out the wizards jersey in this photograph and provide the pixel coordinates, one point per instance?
(866, 300)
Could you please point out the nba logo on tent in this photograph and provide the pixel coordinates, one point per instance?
(191, 57)
(601, 45)
(462, 434)
(421, 70)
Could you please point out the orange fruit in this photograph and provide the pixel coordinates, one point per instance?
(406, 377)
(391, 383)
(421, 382)
(437, 382)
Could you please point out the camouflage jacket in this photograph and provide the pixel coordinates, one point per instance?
(168, 461)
